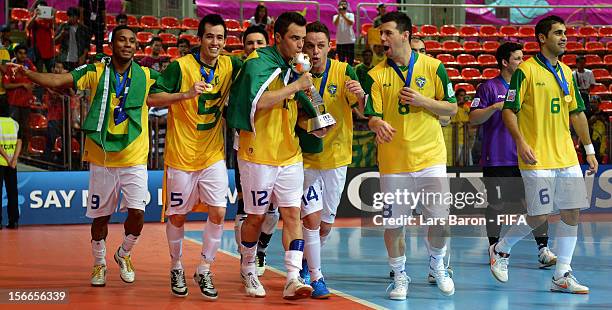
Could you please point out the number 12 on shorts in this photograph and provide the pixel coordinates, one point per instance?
(260, 198)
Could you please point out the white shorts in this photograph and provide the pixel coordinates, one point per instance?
(105, 184)
(185, 189)
(262, 184)
(429, 180)
(548, 190)
(322, 191)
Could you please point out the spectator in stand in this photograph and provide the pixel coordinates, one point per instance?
(93, 12)
(585, 79)
(183, 46)
(598, 123)
(382, 9)
(10, 147)
(154, 60)
(19, 88)
(458, 121)
(40, 33)
(56, 101)
(418, 46)
(74, 38)
(120, 19)
(261, 18)
(345, 36)
(159, 116)
(362, 69)
(5, 40)
(4, 58)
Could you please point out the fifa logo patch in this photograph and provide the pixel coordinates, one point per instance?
(420, 81)
(511, 95)
(475, 102)
(332, 89)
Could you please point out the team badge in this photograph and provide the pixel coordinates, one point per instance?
(450, 90)
(332, 88)
(475, 102)
(511, 95)
(420, 81)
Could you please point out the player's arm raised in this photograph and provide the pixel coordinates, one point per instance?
(53, 80)
(272, 97)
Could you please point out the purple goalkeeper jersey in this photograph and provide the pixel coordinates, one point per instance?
(498, 147)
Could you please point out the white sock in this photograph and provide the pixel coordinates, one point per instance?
(270, 221)
(175, 237)
(397, 264)
(99, 251)
(312, 252)
(437, 255)
(293, 263)
(238, 228)
(566, 236)
(248, 259)
(212, 241)
(128, 243)
(514, 235)
(324, 239)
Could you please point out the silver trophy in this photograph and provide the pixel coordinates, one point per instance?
(301, 64)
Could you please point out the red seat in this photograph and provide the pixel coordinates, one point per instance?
(193, 39)
(470, 74)
(144, 37)
(571, 32)
(447, 59)
(449, 31)
(19, 14)
(246, 24)
(594, 47)
(37, 121)
(58, 146)
(170, 22)
(468, 32)
(490, 46)
(569, 59)
(149, 22)
(433, 46)
(415, 31)
(508, 31)
(472, 47)
(233, 25)
(588, 32)
(190, 23)
(61, 17)
(526, 32)
(429, 31)
(139, 53)
(233, 42)
(111, 22)
(608, 59)
(602, 75)
(173, 52)
(487, 60)
(148, 49)
(599, 89)
(133, 21)
(453, 74)
(605, 31)
(37, 145)
(488, 31)
(107, 50)
(469, 88)
(490, 73)
(364, 29)
(531, 47)
(466, 60)
(451, 46)
(574, 47)
(168, 38)
(593, 60)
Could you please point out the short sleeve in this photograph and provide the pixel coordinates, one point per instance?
(236, 65)
(444, 87)
(351, 75)
(516, 91)
(577, 105)
(168, 81)
(481, 98)
(373, 106)
(84, 76)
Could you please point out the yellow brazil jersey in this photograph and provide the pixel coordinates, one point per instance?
(4, 58)
(194, 139)
(338, 143)
(542, 112)
(88, 77)
(418, 142)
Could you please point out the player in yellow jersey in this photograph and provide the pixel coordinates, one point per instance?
(542, 99)
(411, 152)
(264, 106)
(195, 170)
(116, 145)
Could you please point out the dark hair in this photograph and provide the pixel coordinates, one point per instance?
(156, 39)
(255, 29)
(461, 89)
(286, 19)
(545, 24)
(20, 47)
(183, 40)
(317, 26)
(505, 50)
(580, 58)
(119, 28)
(4, 110)
(401, 19)
(264, 20)
(120, 16)
(213, 20)
(367, 50)
(72, 11)
(43, 3)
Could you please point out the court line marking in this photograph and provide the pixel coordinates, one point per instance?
(282, 273)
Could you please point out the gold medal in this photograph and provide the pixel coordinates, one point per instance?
(568, 98)
(208, 87)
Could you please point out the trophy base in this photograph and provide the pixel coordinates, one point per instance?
(321, 121)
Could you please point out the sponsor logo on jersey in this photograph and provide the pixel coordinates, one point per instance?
(511, 95)
(475, 102)
(450, 90)
(540, 84)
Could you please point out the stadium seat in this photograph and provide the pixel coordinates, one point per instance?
(574, 47)
(569, 59)
(599, 89)
(429, 31)
(531, 47)
(466, 60)
(469, 88)
(168, 38)
(148, 49)
(415, 31)
(588, 32)
(451, 46)
(193, 39)
(605, 31)
(245, 24)
(468, 32)
(61, 17)
(233, 26)
(526, 32)
(139, 53)
(149, 22)
(453, 74)
(37, 145)
(447, 59)
(602, 75)
(490, 73)
(471, 74)
(488, 31)
(487, 60)
(238, 52)
(133, 21)
(472, 47)
(173, 52)
(508, 31)
(594, 47)
(593, 60)
(92, 49)
(571, 33)
(37, 121)
(19, 14)
(170, 22)
(233, 42)
(58, 146)
(433, 46)
(606, 106)
(364, 29)
(449, 31)
(111, 22)
(144, 37)
(190, 23)
(106, 49)
(608, 60)
(490, 46)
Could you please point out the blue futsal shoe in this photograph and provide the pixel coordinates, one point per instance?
(319, 289)
(304, 273)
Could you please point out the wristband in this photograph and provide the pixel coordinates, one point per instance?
(589, 149)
